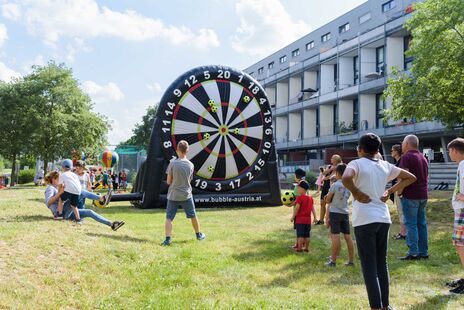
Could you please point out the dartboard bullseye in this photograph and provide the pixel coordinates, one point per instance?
(225, 116)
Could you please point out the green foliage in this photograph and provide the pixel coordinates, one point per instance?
(26, 176)
(142, 131)
(311, 178)
(434, 90)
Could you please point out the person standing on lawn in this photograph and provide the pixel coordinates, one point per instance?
(179, 175)
(414, 200)
(456, 153)
(396, 152)
(366, 179)
(304, 206)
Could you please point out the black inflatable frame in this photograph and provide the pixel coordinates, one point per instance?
(257, 182)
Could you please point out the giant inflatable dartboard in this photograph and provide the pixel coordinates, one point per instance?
(225, 117)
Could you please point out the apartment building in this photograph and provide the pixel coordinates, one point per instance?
(326, 88)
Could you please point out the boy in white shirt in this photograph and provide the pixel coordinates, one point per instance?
(366, 179)
(72, 187)
(456, 153)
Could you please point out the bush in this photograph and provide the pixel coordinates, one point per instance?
(311, 178)
(26, 176)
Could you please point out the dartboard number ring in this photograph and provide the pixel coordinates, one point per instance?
(225, 117)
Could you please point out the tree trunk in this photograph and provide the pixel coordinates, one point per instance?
(13, 170)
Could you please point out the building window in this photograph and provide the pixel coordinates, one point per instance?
(336, 127)
(309, 45)
(344, 28)
(380, 60)
(296, 52)
(356, 70)
(260, 70)
(355, 114)
(365, 18)
(317, 123)
(270, 65)
(379, 110)
(325, 37)
(387, 6)
(407, 59)
(283, 59)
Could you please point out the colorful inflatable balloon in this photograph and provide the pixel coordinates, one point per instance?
(109, 158)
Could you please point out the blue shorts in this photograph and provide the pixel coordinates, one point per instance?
(188, 206)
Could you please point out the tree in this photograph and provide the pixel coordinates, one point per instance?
(142, 131)
(63, 114)
(434, 89)
(16, 121)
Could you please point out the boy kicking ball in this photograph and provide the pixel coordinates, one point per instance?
(179, 175)
(456, 153)
(304, 206)
(337, 218)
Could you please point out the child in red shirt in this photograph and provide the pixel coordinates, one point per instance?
(304, 206)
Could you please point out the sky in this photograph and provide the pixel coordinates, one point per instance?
(125, 53)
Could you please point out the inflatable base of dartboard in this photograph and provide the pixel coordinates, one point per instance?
(225, 116)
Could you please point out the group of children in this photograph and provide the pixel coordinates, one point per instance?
(336, 218)
(109, 179)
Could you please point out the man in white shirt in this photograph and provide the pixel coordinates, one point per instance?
(366, 178)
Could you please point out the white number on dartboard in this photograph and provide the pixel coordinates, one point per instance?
(235, 183)
(250, 176)
(218, 186)
(192, 81)
(223, 74)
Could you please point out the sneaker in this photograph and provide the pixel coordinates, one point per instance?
(108, 197)
(424, 256)
(410, 257)
(294, 246)
(349, 264)
(117, 224)
(166, 242)
(458, 290)
(79, 222)
(201, 236)
(455, 283)
(399, 237)
(330, 264)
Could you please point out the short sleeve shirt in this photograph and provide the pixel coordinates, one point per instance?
(339, 202)
(416, 163)
(304, 212)
(51, 191)
(371, 177)
(182, 174)
(459, 187)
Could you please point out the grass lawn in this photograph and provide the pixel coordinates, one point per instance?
(245, 262)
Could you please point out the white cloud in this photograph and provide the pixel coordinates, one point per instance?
(11, 11)
(7, 74)
(27, 65)
(265, 26)
(84, 19)
(3, 34)
(103, 94)
(155, 87)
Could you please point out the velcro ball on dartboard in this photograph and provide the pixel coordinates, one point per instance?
(288, 197)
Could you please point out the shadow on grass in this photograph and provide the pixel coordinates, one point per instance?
(29, 218)
(118, 237)
(40, 200)
(435, 302)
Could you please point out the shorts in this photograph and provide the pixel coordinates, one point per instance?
(399, 208)
(188, 206)
(325, 188)
(458, 231)
(303, 230)
(73, 198)
(339, 223)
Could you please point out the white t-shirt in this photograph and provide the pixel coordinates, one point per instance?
(459, 187)
(71, 182)
(371, 177)
(84, 179)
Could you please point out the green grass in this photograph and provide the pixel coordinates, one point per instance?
(244, 263)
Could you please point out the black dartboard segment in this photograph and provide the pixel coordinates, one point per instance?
(225, 116)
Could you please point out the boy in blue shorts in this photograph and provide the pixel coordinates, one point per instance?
(179, 175)
(337, 217)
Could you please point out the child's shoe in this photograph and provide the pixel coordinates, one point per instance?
(458, 290)
(455, 283)
(294, 246)
(349, 264)
(330, 264)
(166, 242)
(200, 236)
(117, 224)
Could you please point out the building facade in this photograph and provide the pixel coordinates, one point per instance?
(326, 88)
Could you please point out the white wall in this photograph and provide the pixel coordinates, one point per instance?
(327, 79)
(394, 53)
(295, 88)
(326, 119)
(345, 111)
(310, 79)
(281, 128)
(367, 61)
(346, 72)
(294, 132)
(271, 94)
(282, 94)
(367, 110)
(309, 124)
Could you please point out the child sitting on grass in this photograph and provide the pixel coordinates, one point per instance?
(337, 217)
(72, 187)
(304, 206)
